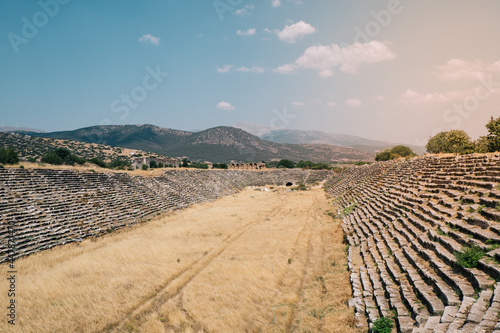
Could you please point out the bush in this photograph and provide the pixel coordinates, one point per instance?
(76, 159)
(469, 256)
(153, 164)
(118, 164)
(98, 162)
(51, 157)
(160, 165)
(1, 166)
(220, 166)
(145, 167)
(382, 325)
(31, 159)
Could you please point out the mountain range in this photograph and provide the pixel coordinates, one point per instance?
(218, 144)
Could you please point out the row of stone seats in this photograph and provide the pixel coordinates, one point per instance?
(50, 207)
(405, 221)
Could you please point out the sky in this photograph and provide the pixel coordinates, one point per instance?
(390, 70)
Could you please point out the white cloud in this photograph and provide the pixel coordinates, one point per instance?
(331, 104)
(412, 97)
(350, 58)
(353, 103)
(285, 69)
(275, 3)
(298, 103)
(150, 39)
(258, 70)
(224, 69)
(380, 98)
(244, 10)
(457, 69)
(248, 32)
(225, 106)
(291, 33)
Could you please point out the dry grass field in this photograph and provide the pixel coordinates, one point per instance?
(258, 261)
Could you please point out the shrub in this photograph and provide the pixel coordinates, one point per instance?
(469, 256)
(118, 164)
(220, 166)
(98, 162)
(31, 159)
(153, 164)
(145, 167)
(51, 157)
(1, 166)
(160, 165)
(382, 325)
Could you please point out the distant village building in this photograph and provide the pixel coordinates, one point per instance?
(137, 162)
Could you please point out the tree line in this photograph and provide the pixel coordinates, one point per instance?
(459, 142)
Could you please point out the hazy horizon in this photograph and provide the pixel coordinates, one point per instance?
(396, 71)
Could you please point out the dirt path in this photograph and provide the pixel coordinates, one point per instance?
(259, 261)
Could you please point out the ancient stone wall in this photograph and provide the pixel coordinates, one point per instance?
(44, 208)
(404, 222)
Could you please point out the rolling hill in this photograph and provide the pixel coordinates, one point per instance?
(218, 144)
(318, 137)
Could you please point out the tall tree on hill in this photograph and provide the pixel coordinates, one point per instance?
(493, 127)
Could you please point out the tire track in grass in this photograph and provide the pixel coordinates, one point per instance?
(175, 285)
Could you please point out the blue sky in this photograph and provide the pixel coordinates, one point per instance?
(389, 70)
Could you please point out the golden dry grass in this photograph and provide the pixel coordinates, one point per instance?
(256, 261)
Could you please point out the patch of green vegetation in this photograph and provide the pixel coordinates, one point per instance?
(480, 209)
(382, 325)
(469, 256)
(492, 245)
(348, 210)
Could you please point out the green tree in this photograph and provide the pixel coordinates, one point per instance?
(286, 164)
(145, 167)
(305, 164)
(481, 145)
(459, 142)
(493, 127)
(8, 156)
(437, 144)
(185, 162)
(402, 151)
(454, 141)
(384, 156)
(153, 164)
